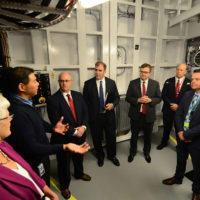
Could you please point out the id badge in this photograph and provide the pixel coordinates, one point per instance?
(186, 124)
(41, 169)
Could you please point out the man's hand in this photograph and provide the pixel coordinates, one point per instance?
(173, 106)
(60, 127)
(109, 106)
(180, 135)
(81, 149)
(80, 131)
(144, 99)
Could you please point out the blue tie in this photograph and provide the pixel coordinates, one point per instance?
(192, 107)
(101, 99)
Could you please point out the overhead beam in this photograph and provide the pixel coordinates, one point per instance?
(185, 15)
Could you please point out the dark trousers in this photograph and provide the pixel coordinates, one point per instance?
(168, 122)
(106, 123)
(46, 176)
(183, 149)
(136, 127)
(63, 166)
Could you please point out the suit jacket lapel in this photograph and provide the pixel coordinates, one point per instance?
(139, 87)
(95, 90)
(148, 87)
(183, 86)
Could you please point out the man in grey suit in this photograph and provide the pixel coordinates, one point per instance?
(143, 94)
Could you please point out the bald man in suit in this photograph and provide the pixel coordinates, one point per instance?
(172, 93)
(71, 105)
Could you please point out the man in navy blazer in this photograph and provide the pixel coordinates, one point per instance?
(143, 94)
(188, 126)
(101, 101)
(172, 93)
(58, 105)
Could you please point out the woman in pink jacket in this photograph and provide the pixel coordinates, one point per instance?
(17, 179)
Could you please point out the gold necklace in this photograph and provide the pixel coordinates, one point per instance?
(5, 156)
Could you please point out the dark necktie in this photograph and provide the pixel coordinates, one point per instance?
(71, 105)
(177, 90)
(101, 99)
(143, 94)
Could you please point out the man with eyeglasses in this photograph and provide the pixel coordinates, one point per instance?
(173, 90)
(28, 128)
(143, 94)
(71, 105)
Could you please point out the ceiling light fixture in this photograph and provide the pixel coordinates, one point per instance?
(90, 3)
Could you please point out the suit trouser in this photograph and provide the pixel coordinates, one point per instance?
(183, 149)
(63, 166)
(46, 164)
(103, 122)
(136, 126)
(168, 121)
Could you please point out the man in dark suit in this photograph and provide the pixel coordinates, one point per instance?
(142, 94)
(28, 128)
(173, 90)
(187, 120)
(101, 96)
(71, 105)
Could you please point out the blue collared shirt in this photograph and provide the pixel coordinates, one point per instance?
(29, 102)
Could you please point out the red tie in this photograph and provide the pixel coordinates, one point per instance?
(177, 90)
(71, 105)
(143, 94)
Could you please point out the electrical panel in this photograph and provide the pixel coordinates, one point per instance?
(44, 90)
(193, 52)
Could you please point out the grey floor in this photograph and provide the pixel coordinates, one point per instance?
(138, 180)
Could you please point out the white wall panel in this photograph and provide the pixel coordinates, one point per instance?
(124, 76)
(147, 51)
(64, 48)
(21, 48)
(149, 22)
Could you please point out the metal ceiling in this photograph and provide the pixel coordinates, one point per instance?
(33, 14)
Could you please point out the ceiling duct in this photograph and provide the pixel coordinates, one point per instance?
(33, 14)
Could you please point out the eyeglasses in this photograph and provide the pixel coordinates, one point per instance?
(9, 117)
(62, 81)
(143, 72)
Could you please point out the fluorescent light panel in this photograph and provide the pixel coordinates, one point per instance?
(91, 3)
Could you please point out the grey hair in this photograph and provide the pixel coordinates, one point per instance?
(4, 104)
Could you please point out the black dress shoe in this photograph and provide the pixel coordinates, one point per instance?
(100, 162)
(161, 146)
(147, 157)
(66, 193)
(84, 177)
(172, 181)
(195, 196)
(130, 157)
(115, 161)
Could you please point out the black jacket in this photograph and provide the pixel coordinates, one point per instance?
(28, 136)
(134, 92)
(169, 93)
(194, 126)
(57, 107)
(90, 94)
